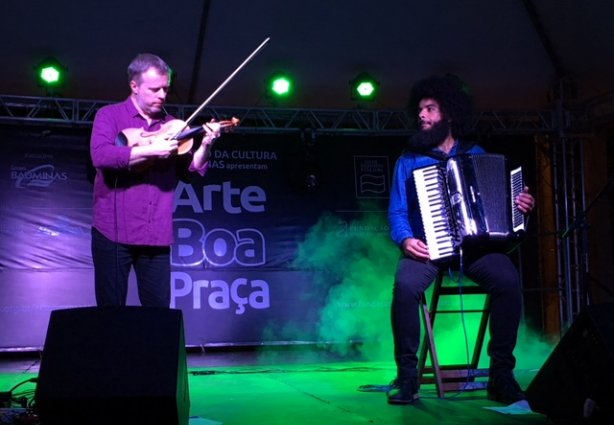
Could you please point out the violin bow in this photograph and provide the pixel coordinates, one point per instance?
(226, 81)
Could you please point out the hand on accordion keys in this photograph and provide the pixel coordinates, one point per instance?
(416, 249)
(525, 201)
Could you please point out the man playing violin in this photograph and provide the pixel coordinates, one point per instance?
(134, 186)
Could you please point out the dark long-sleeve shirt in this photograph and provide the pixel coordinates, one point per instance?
(131, 207)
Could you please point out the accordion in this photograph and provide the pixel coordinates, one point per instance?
(468, 199)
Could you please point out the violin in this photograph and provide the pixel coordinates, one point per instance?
(179, 130)
(172, 130)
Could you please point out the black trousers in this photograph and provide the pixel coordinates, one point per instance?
(112, 264)
(495, 272)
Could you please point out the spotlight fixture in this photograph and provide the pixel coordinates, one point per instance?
(364, 87)
(280, 85)
(50, 73)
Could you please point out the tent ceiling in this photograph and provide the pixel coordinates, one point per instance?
(493, 45)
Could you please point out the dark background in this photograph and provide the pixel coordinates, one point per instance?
(510, 51)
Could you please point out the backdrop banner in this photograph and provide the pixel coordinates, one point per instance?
(254, 237)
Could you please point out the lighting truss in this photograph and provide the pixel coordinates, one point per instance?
(369, 122)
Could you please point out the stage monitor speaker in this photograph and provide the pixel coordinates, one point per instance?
(576, 383)
(114, 365)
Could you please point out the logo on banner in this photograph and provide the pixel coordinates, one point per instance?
(41, 176)
(372, 175)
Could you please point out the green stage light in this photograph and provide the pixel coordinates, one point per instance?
(280, 85)
(50, 73)
(364, 87)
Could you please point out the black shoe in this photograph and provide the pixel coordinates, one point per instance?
(404, 392)
(502, 387)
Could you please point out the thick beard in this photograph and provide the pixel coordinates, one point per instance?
(426, 140)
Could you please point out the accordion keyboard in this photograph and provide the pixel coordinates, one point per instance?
(435, 211)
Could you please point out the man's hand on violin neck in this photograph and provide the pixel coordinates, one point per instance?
(213, 129)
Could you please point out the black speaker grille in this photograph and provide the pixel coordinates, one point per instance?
(114, 365)
(576, 383)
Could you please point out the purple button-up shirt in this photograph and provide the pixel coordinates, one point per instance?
(131, 207)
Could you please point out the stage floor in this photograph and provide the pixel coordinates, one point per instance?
(301, 386)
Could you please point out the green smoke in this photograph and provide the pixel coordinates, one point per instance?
(355, 260)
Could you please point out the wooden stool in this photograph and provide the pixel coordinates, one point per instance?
(452, 377)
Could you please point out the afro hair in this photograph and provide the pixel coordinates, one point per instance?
(451, 93)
